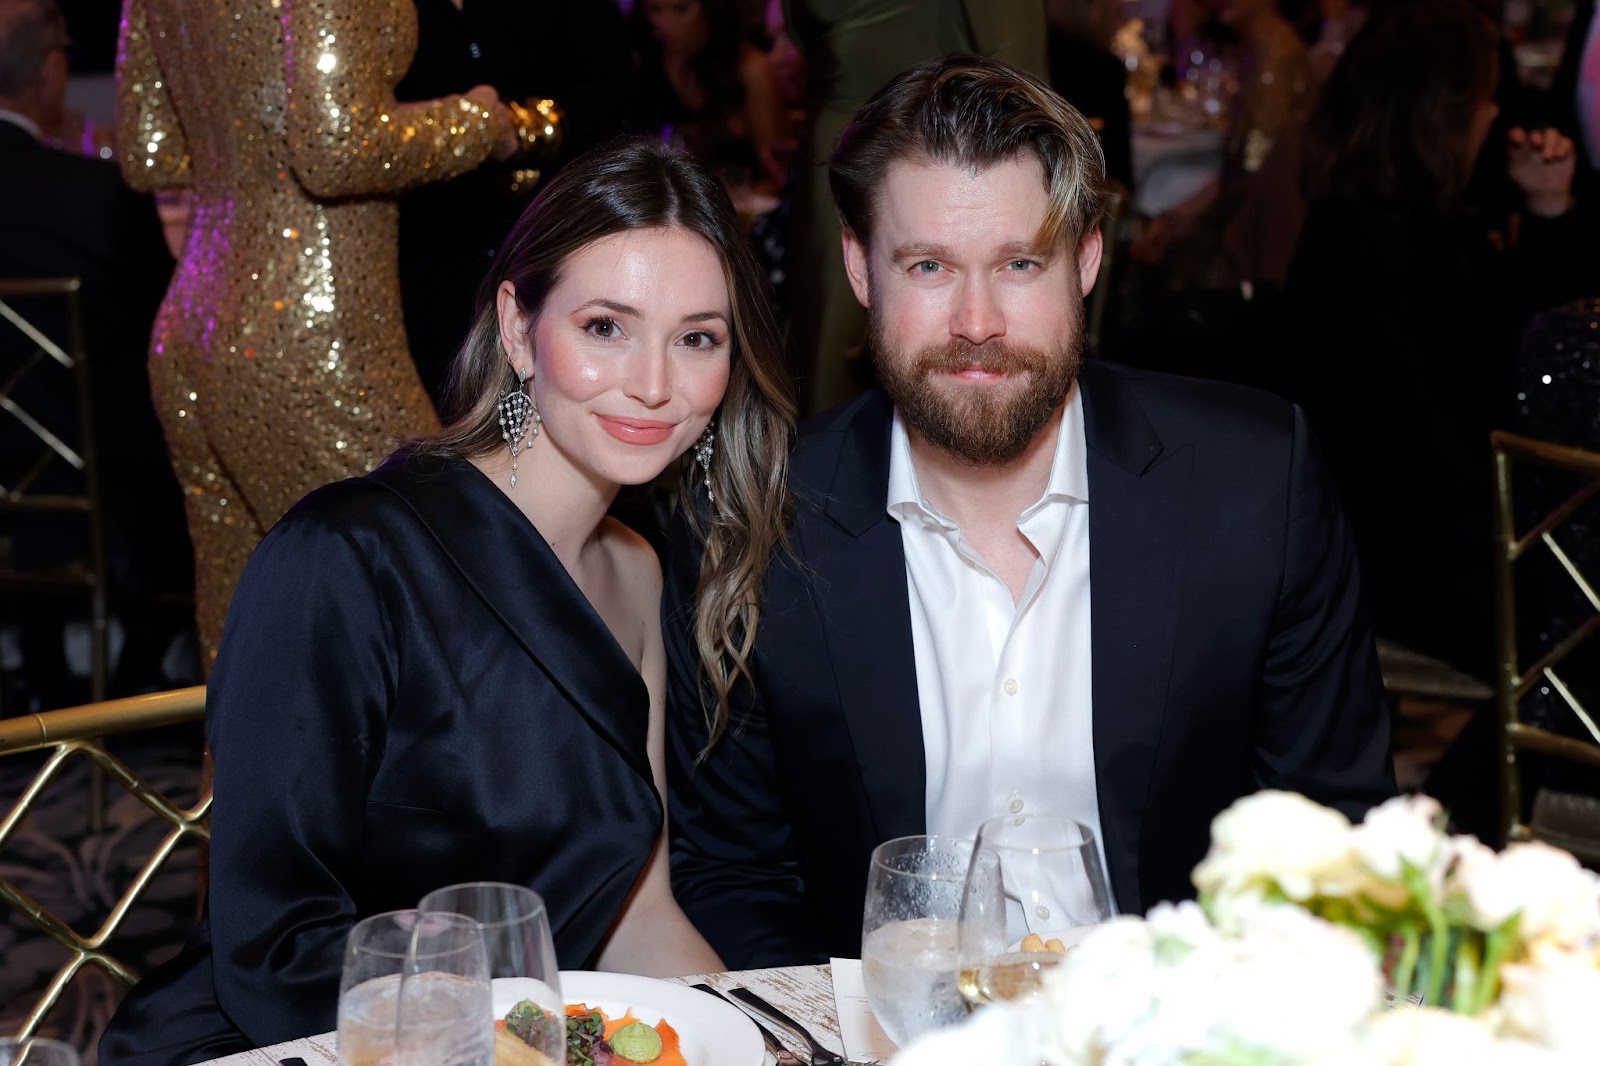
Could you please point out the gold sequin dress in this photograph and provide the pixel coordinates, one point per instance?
(279, 359)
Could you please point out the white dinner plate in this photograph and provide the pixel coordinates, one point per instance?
(711, 1032)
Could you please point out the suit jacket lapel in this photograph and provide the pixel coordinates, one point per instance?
(504, 559)
(1138, 498)
(859, 585)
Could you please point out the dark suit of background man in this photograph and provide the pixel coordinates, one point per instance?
(933, 653)
(66, 215)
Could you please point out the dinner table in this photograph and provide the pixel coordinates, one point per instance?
(804, 993)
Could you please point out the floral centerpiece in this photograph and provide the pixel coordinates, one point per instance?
(1318, 942)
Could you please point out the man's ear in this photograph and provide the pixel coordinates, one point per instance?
(855, 265)
(1089, 250)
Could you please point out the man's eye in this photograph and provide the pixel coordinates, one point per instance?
(927, 266)
(1022, 264)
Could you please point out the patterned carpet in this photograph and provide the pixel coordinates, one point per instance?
(79, 875)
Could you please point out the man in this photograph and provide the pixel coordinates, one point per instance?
(67, 215)
(1018, 582)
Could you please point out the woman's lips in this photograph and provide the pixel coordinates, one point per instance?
(636, 430)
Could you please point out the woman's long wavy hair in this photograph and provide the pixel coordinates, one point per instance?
(631, 185)
(1394, 121)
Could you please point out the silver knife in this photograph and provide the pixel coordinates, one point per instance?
(820, 1055)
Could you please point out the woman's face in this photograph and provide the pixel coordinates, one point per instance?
(679, 25)
(630, 354)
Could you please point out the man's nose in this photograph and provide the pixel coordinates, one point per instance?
(977, 317)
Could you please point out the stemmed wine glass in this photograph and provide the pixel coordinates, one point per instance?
(415, 992)
(521, 956)
(1034, 888)
(908, 934)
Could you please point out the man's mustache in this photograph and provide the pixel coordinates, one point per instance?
(996, 357)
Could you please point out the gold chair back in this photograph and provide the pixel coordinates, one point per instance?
(78, 732)
(1516, 679)
(48, 467)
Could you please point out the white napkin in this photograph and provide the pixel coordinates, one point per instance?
(864, 1039)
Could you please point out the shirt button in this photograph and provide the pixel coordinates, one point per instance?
(1010, 686)
(1043, 913)
(1015, 806)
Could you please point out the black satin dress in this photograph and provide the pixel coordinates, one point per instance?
(411, 692)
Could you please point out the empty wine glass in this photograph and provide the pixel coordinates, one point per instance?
(523, 971)
(1034, 888)
(36, 1051)
(415, 992)
(908, 934)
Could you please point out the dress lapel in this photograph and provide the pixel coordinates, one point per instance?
(859, 582)
(502, 557)
(1138, 493)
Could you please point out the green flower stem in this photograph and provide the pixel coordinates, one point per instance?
(1405, 971)
(1466, 973)
(1439, 947)
(1496, 947)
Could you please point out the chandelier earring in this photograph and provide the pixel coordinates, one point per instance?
(704, 449)
(519, 419)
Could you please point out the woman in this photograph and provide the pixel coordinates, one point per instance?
(279, 359)
(1407, 315)
(452, 669)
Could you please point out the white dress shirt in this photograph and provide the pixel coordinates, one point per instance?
(1004, 686)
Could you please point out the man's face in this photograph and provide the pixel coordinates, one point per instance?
(977, 333)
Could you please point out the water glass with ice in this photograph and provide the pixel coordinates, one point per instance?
(415, 992)
(908, 934)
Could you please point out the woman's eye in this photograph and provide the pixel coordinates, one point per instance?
(702, 339)
(601, 326)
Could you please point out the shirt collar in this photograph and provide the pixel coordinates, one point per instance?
(23, 121)
(1069, 468)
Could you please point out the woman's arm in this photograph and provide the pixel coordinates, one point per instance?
(348, 136)
(297, 707)
(652, 936)
(153, 153)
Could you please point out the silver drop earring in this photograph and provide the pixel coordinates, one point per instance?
(704, 448)
(519, 420)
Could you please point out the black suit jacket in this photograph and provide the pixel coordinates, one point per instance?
(1231, 652)
(411, 692)
(66, 215)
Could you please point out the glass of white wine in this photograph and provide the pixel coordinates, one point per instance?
(415, 992)
(908, 934)
(1034, 888)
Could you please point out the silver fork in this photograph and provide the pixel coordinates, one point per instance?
(784, 1056)
(820, 1056)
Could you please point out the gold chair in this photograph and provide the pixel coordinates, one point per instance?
(1516, 681)
(38, 462)
(77, 732)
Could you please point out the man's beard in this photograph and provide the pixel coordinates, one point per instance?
(979, 423)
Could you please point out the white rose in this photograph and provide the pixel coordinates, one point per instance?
(1553, 998)
(1276, 839)
(1560, 899)
(1403, 830)
(1428, 1036)
(1491, 892)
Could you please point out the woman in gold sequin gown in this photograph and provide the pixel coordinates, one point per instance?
(279, 360)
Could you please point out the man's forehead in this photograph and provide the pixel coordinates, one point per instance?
(998, 208)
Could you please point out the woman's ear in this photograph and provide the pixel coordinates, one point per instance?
(516, 329)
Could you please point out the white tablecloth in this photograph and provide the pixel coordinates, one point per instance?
(1171, 162)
